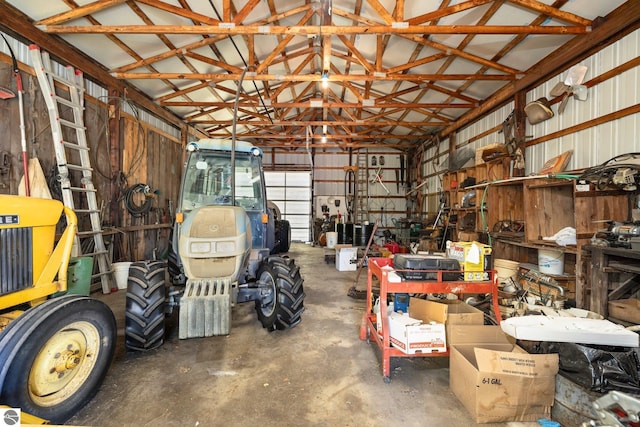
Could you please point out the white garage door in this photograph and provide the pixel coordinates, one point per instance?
(291, 192)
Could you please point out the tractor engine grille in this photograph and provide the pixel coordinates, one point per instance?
(16, 262)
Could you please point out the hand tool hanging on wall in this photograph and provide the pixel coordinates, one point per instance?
(350, 189)
(397, 181)
(377, 177)
(23, 138)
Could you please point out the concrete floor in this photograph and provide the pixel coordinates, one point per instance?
(317, 374)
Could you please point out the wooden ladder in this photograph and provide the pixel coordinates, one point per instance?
(361, 203)
(66, 92)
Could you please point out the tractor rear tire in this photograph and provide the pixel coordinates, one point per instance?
(54, 357)
(145, 307)
(283, 237)
(282, 307)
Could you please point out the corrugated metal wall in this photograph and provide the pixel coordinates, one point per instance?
(600, 143)
(590, 146)
(386, 200)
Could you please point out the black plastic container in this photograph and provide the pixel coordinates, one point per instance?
(408, 262)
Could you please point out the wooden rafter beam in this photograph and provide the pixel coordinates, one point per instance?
(326, 20)
(417, 63)
(168, 54)
(329, 136)
(226, 10)
(79, 12)
(179, 11)
(446, 11)
(324, 104)
(245, 11)
(399, 13)
(361, 59)
(488, 14)
(357, 93)
(208, 60)
(538, 6)
(296, 123)
(344, 147)
(314, 30)
(313, 77)
(267, 61)
(282, 44)
(462, 54)
(384, 14)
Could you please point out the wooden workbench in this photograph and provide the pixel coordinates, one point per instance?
(607, 261)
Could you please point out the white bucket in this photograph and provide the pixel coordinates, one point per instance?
(332, 239)
(506, 269)
(121, 271)
(551, 261)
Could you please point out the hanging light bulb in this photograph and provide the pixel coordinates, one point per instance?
(323, 139)
(325, 80)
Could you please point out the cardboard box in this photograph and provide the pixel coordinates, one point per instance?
(346, 259)
(459, 313)
(626, 309)
(498, 381)
(474, 259)
(423, 331)
(468, 236)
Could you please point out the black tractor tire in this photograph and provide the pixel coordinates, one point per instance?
(176, 274)
(145, 307)
(54, 357)
(283, 237)
(280, 308)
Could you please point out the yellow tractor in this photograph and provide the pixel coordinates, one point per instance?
(54, 350)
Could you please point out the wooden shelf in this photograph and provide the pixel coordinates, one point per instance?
(535, 245)
(545, 205)
(562, 183)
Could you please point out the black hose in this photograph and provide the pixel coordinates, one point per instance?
(134, 209)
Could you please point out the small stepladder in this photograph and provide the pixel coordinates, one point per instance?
(67, 92)
(362, 188)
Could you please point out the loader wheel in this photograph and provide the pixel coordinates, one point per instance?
(145, 315)
(283, 303)
(55, 356)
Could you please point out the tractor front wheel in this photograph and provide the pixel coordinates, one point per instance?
(145, 307)
(282, 303)
(54, 357)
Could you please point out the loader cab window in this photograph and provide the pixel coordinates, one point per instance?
(208, 181)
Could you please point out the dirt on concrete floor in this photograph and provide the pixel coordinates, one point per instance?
(318, 374)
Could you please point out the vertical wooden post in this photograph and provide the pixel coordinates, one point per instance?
(452, 144)
(599, 282)
(520, 122)
(115, 157)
